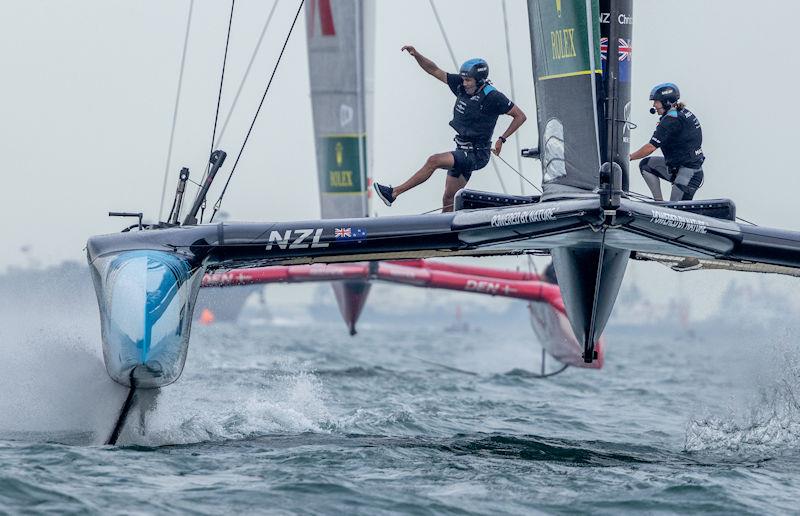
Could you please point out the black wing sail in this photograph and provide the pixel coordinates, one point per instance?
(565, 43)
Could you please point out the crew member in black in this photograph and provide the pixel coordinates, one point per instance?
(478, 105)
(680, 138)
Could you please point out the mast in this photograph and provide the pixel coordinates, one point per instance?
(616, 26)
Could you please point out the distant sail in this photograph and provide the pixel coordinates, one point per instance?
(337, 70)
(565, 41)
(340, 73)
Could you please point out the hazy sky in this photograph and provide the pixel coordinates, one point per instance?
(88, 90)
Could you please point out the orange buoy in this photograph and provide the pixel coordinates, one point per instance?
(206, 316)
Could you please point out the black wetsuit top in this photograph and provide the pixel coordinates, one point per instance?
(681, 139)
(474, 116)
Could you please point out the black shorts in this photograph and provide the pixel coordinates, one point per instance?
(467, 161)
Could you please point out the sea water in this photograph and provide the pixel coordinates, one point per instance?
(301, 417)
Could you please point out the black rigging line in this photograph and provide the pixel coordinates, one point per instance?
(519, 173)
(255, 117)
(221, 81)
(219, 100)
(246, 73)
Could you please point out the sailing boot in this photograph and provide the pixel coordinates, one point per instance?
(385, 193)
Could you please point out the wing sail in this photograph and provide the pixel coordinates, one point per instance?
(338, 78)
(565, 44)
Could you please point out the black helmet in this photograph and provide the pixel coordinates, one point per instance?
(477, 69)
(667, 93)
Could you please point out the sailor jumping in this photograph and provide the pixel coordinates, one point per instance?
(477, 108)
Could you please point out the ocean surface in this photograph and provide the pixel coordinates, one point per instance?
(301, 418)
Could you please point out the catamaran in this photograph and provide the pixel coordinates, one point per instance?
(586, 219)
(340, 39)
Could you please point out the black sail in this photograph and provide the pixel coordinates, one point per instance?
(565, 41)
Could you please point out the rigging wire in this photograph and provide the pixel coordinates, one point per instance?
(246, 73)
(437, 209)
(444, 34)
(219, 101)
(258, 110)
(747, 221)
(522, 177)
(221, 82)
(175, 110)
(513, 94)
(455, 65)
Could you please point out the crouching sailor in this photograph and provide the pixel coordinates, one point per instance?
(680, 138)
(478, 105)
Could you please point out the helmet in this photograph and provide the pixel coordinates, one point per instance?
(667, 93)
(477, 69)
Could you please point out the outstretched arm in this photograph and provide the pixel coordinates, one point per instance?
(517, 119)
(426, 64)
(645, 150)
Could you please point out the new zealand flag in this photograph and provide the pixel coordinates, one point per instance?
(357, 234)
(624, 56)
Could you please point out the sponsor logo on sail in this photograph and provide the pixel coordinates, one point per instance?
(342, 172)
(339, 154)
(678, 221)
(622, 19)
(524, 217)
(296, 239)
(341, 178)
(345, 115)
(563, 43)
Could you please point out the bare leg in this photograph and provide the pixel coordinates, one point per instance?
(654, 184)
(443, 160)
(451, 186)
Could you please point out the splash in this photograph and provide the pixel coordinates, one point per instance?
(769, 421)
(54, 383)
(191, 412)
